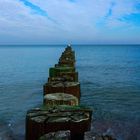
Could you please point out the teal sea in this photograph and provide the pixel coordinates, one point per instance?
(110, 84)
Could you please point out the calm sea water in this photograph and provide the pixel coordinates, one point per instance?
(110, 84)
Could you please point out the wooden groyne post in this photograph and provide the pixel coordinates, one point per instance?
(61, 110)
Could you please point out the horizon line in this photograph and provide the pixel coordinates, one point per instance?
(63, 44)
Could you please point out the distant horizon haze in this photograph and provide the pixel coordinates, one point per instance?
(67, 44)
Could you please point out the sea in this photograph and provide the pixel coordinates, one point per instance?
(110, 85)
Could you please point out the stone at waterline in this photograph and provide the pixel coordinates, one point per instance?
(59, 135)
(94, 136)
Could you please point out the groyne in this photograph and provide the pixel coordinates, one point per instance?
(60, 116)
(61, 110)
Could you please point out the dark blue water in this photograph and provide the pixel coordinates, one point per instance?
(110, 84)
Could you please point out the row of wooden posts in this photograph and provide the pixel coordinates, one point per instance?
(61, 109)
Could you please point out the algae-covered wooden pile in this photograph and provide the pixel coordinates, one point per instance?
(61, 110)
(61, 117)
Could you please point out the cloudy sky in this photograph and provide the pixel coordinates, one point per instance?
(69, 21)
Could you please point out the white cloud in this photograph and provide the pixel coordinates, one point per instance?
(79, 21)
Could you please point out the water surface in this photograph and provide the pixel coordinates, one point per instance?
(110, 84)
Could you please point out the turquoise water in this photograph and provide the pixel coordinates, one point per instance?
(110, 84)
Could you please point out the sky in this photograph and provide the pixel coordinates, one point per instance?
(69, 21)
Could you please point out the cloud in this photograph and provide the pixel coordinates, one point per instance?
(35, 8)
(133, 18)
(62, 21)
(110, 10)
(72, 0)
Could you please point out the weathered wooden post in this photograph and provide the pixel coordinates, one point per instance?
(42, 121)
(60, 110)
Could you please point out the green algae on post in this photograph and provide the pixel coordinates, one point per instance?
(61, 108)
